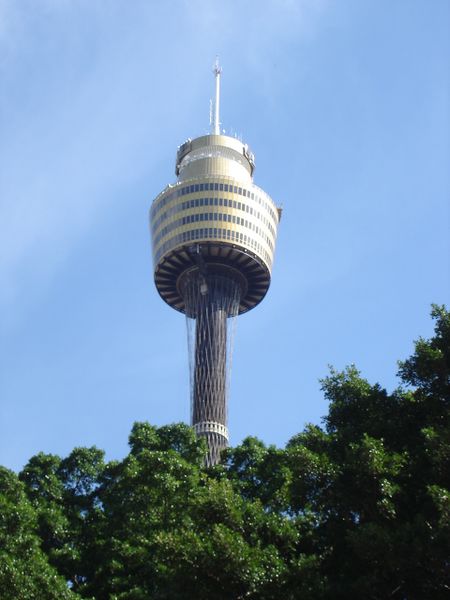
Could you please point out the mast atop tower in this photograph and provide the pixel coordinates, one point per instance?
(215, 126)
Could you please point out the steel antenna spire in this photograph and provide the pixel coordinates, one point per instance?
(217, 70)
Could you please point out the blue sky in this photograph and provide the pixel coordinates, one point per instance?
(346, 107)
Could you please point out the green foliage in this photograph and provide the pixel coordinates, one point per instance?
(178, 438)
(358, 509)
(24, 569)
(429, 367)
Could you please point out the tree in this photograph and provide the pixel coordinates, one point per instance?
(359, 508)
(63, 493)
(386, 511)
(24, 570)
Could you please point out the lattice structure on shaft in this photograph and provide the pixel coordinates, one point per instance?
(212, 303)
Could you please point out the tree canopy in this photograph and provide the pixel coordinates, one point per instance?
(358, 508)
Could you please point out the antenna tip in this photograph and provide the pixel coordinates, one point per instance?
(217, 69)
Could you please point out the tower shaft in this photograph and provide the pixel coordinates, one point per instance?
(212, 301)
(210, 366)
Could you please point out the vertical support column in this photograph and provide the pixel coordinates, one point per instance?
(211, 299)
(209, 409)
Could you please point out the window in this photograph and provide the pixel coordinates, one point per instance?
(221, 187)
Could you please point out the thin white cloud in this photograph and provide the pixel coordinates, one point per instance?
(257, 33)
(9, 28)
(75, 125)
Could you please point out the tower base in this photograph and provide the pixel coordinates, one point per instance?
(216, 444)
(216, 436)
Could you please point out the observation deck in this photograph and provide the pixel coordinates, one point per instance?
(215, 215)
